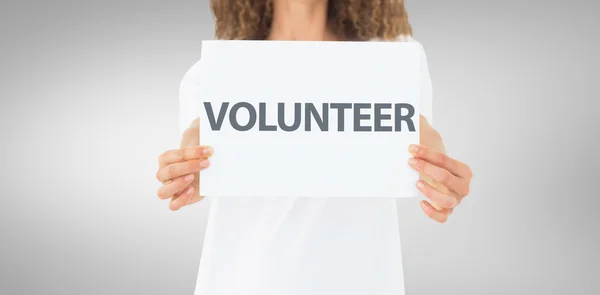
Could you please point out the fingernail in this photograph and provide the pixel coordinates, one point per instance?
(412, 161)
(453, 203)
(413, 148)
(189, 193)
(208, 151)
(420, 184)
(188, 178)
(422, 203)
(204, 163)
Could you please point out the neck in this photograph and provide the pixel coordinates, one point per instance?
(304, 20)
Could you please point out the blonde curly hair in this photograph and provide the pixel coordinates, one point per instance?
(351, 20)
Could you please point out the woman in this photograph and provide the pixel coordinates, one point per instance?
(308, 246)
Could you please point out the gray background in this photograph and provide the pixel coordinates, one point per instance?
(89, 100)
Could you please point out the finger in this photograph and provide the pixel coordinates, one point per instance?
(442, 160)
(194, 199)
(185, 154)
(440, 175)
(439, 187)
(464, 191)
(444, 200)
(440, 216)
(179, 169)
(179, 200)
(174, 187)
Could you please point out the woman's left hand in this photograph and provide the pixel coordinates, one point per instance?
(443, 180)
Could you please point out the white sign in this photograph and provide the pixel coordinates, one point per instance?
(309, 119)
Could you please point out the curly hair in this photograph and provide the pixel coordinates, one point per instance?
(351, 20)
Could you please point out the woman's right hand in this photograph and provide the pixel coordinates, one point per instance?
(178, 170)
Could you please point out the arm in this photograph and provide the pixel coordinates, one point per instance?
(430, 137)
(443, 181)
(179, 169)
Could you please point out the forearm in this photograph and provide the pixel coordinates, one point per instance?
(429, 137)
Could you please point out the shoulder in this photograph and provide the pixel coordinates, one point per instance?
(190, 76)
(401, 38)
(406, 38)
(409, 39)
(426, 84)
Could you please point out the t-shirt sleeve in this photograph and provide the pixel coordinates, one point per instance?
(425, 81)
(189, 105)
(426, 88)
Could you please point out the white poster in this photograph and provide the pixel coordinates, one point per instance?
(318, 119)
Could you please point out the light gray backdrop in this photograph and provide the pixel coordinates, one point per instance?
(89, 100)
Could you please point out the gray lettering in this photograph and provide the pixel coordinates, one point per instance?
(311, 111)
(262, 117)
(233, 116)
(341, 107)
(358, 116)
(378, 116)
(320, 117)
(216, 124)
(281, 117)
(399, 118)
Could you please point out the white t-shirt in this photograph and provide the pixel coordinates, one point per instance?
(300, 246)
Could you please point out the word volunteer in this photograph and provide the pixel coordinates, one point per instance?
(382, 115)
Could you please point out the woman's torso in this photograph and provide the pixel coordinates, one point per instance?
(300, 245)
